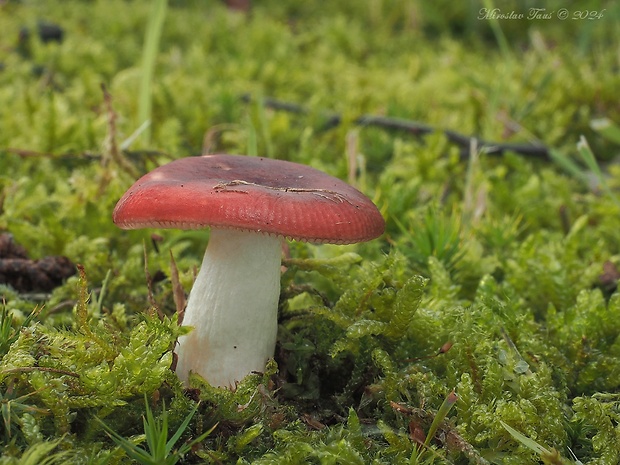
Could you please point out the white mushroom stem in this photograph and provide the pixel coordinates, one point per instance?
(233, 308)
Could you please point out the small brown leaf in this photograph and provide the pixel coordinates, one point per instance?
(312, 422)
(416, 433)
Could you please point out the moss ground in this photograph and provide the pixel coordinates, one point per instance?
(496, 279)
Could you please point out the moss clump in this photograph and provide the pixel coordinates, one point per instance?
(496, 279)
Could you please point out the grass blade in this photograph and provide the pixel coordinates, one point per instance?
(606, 128)
(590, 161)
(149, 55)
(445, 407)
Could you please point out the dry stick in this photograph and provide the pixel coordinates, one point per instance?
(178, 294)
(415, 128)
(110, 149)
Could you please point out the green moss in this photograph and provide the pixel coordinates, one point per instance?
(496, 278)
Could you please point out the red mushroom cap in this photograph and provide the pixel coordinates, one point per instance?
(252, 194)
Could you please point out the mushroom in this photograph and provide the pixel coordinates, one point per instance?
(251, 204)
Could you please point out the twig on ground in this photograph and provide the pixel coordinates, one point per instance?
(415, 128)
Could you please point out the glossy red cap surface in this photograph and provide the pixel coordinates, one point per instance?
(252, 194)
